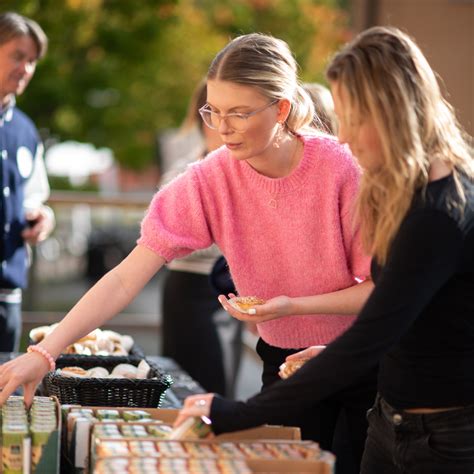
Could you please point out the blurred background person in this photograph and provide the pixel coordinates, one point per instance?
(189, 303)
(25, 187)
(325, 117)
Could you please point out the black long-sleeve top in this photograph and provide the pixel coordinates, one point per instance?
(418, 323)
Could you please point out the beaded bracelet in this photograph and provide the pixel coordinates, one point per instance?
(45, 354)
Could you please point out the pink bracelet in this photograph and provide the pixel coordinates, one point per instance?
(45, 354)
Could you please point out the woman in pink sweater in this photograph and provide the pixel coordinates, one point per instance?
(277, 199)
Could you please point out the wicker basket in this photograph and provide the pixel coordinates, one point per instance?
(135, 355)
(107, 392)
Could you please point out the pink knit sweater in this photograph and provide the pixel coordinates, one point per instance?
(289, 236)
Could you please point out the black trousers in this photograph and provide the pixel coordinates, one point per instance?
(337, 423)
(190, 335)
(399, 442)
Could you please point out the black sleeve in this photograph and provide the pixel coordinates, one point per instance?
(424, 255)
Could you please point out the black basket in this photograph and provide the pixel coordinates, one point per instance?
(135, 355)
(107, 392)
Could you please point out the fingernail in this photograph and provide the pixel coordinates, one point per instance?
(252, 311)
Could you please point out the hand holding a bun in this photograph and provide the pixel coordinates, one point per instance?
(254, 309)
(295, 361)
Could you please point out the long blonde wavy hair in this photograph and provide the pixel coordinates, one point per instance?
(387, 77)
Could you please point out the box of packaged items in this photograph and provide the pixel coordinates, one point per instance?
(136, 384)
(79, 424)
(30, 439)
(128, 455)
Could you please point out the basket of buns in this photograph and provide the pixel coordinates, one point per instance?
(98, 343)
(131, 384)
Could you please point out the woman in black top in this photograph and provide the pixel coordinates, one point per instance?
(416, 206)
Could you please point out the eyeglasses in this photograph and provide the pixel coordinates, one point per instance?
(238, 122)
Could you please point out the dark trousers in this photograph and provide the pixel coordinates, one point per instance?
(190, 335)
(337, 423)
(10, 326)
(406, 443)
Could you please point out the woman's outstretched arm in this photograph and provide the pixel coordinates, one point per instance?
(113, 292)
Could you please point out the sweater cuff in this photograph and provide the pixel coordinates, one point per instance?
(225, 415)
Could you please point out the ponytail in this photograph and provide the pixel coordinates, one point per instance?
(302, 114)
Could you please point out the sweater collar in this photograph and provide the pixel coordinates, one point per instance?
(288, 183)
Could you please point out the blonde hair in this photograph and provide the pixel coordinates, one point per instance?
(324, 115)
(266, 63)
(387, 77)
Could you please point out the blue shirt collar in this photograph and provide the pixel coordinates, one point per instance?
(6, 112)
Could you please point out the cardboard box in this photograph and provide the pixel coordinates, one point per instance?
(289, 466)
(168, 415)
(260, 432)
(322, 462)
(322, 466)
(76, 443)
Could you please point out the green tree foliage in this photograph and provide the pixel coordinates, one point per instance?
(118, 71)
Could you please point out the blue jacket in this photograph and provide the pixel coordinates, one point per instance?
(19, 144)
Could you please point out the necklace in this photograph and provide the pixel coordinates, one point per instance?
(273, 202)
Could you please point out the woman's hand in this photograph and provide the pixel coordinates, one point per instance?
(27, 370)
(295, 361)
(195, 405)
(271, 309)
(307, 353)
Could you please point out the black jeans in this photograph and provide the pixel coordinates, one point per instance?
(338, 423)
(406, 443)
(10, 326)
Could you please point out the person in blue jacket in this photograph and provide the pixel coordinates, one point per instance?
(24, 185)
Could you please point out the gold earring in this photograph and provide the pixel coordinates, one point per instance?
(278, 136)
